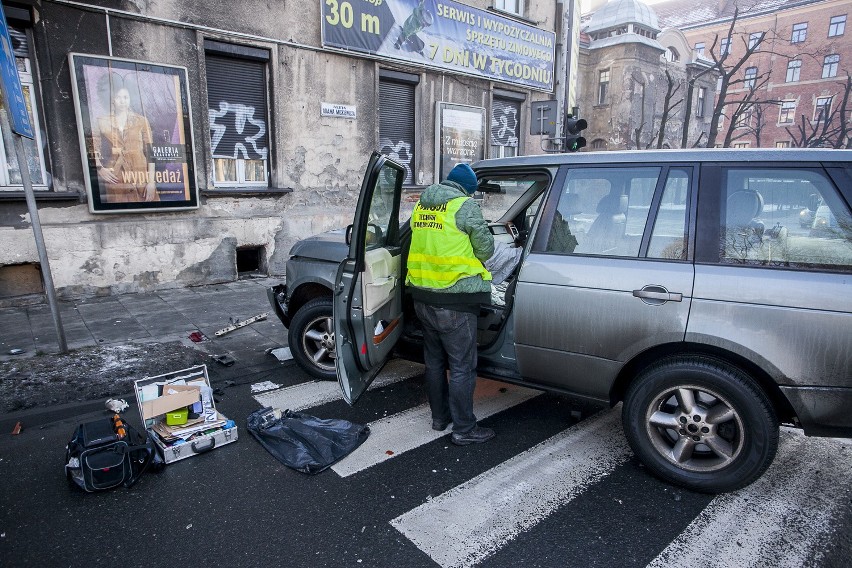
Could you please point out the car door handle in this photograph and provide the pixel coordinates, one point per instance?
(658, 293)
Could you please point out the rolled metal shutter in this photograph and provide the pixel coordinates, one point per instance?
(396, 124)
(236, 96)
(505, 120)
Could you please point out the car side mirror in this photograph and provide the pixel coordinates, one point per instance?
(348, 237)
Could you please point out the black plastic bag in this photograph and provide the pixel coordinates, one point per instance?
(305, 443)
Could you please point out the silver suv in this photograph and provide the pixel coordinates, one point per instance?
(684, 284)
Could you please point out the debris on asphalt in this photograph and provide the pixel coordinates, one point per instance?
(282, 353)
(225, 360)
(17, 429)
(197, 337)
(238, 324)
(264, 386)
(116, 405)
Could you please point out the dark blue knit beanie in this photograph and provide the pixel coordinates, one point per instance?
(463, 175)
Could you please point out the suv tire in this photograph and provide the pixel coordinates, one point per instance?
(700, 423)
(311, 339)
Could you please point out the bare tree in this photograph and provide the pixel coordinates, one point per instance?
(747, 107)
(760, 121)
(829, 129)
(672, 88)
(727, 70)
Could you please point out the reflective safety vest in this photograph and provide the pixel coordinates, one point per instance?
(440, 253)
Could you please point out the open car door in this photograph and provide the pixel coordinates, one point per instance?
(369, 284)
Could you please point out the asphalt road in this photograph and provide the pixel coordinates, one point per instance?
(552, 489)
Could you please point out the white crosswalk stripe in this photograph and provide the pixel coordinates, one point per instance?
(394, 435)
(315, 393)
(783, 519)
(466, 524)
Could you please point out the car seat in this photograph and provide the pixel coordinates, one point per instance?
(608, 228)
(743, 230)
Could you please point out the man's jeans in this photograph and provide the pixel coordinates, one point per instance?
(449, 340)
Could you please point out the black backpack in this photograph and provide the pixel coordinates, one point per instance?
(107, 453)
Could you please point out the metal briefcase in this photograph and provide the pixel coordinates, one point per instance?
(187, 388)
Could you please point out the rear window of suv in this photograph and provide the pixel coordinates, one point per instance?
(784, 217)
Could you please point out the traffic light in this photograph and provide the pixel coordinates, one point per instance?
(573, 127)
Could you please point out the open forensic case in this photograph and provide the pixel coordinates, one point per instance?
(179, 411)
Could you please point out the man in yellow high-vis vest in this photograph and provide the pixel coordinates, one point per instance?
(446, 277)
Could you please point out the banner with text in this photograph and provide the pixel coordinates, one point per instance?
(444, 34)
(133, 119)
(461, 136)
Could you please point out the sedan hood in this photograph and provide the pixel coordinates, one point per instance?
(329, 246)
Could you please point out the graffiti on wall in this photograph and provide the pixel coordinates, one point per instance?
(245, 133)
(399, 152)
(504, 126)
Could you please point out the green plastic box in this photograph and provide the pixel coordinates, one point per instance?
(177, 417)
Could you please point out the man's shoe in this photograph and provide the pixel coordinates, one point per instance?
(475, 436)
(440, 425)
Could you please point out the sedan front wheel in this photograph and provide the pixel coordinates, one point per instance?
(700, 423)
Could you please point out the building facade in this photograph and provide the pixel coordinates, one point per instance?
(186, 143)
(640, 86)
(795, 82)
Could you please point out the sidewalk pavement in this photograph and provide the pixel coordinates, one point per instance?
(160, 317)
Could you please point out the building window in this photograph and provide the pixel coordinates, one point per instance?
(505, 127)
(837, 25)
(788, 111)
(800, 33)
(238, 112)
(396, 119)
(793, 69)
(822, 109)
(725, 46)
(10, 172)
(699, 48)
(754, 40)
(599, 144)
(741, 144)
(701, 102)
(672, 54)
(784, 144)
(513, 6)
(829, 66)
(744, 119)
(603, 87)
(750, 77)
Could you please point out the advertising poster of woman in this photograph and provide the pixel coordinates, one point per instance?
(135, 134)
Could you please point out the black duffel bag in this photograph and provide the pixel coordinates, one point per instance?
(106, 453)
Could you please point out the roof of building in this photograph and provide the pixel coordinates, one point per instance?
(619, 12)
(684, 14)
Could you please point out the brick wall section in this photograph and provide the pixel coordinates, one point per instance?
(774, 55)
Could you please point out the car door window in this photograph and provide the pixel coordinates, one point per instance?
(668, 239)
(786, 218)
(603, 211)
(382, 209)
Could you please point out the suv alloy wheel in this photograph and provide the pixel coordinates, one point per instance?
(311, 339)
(701, 423)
